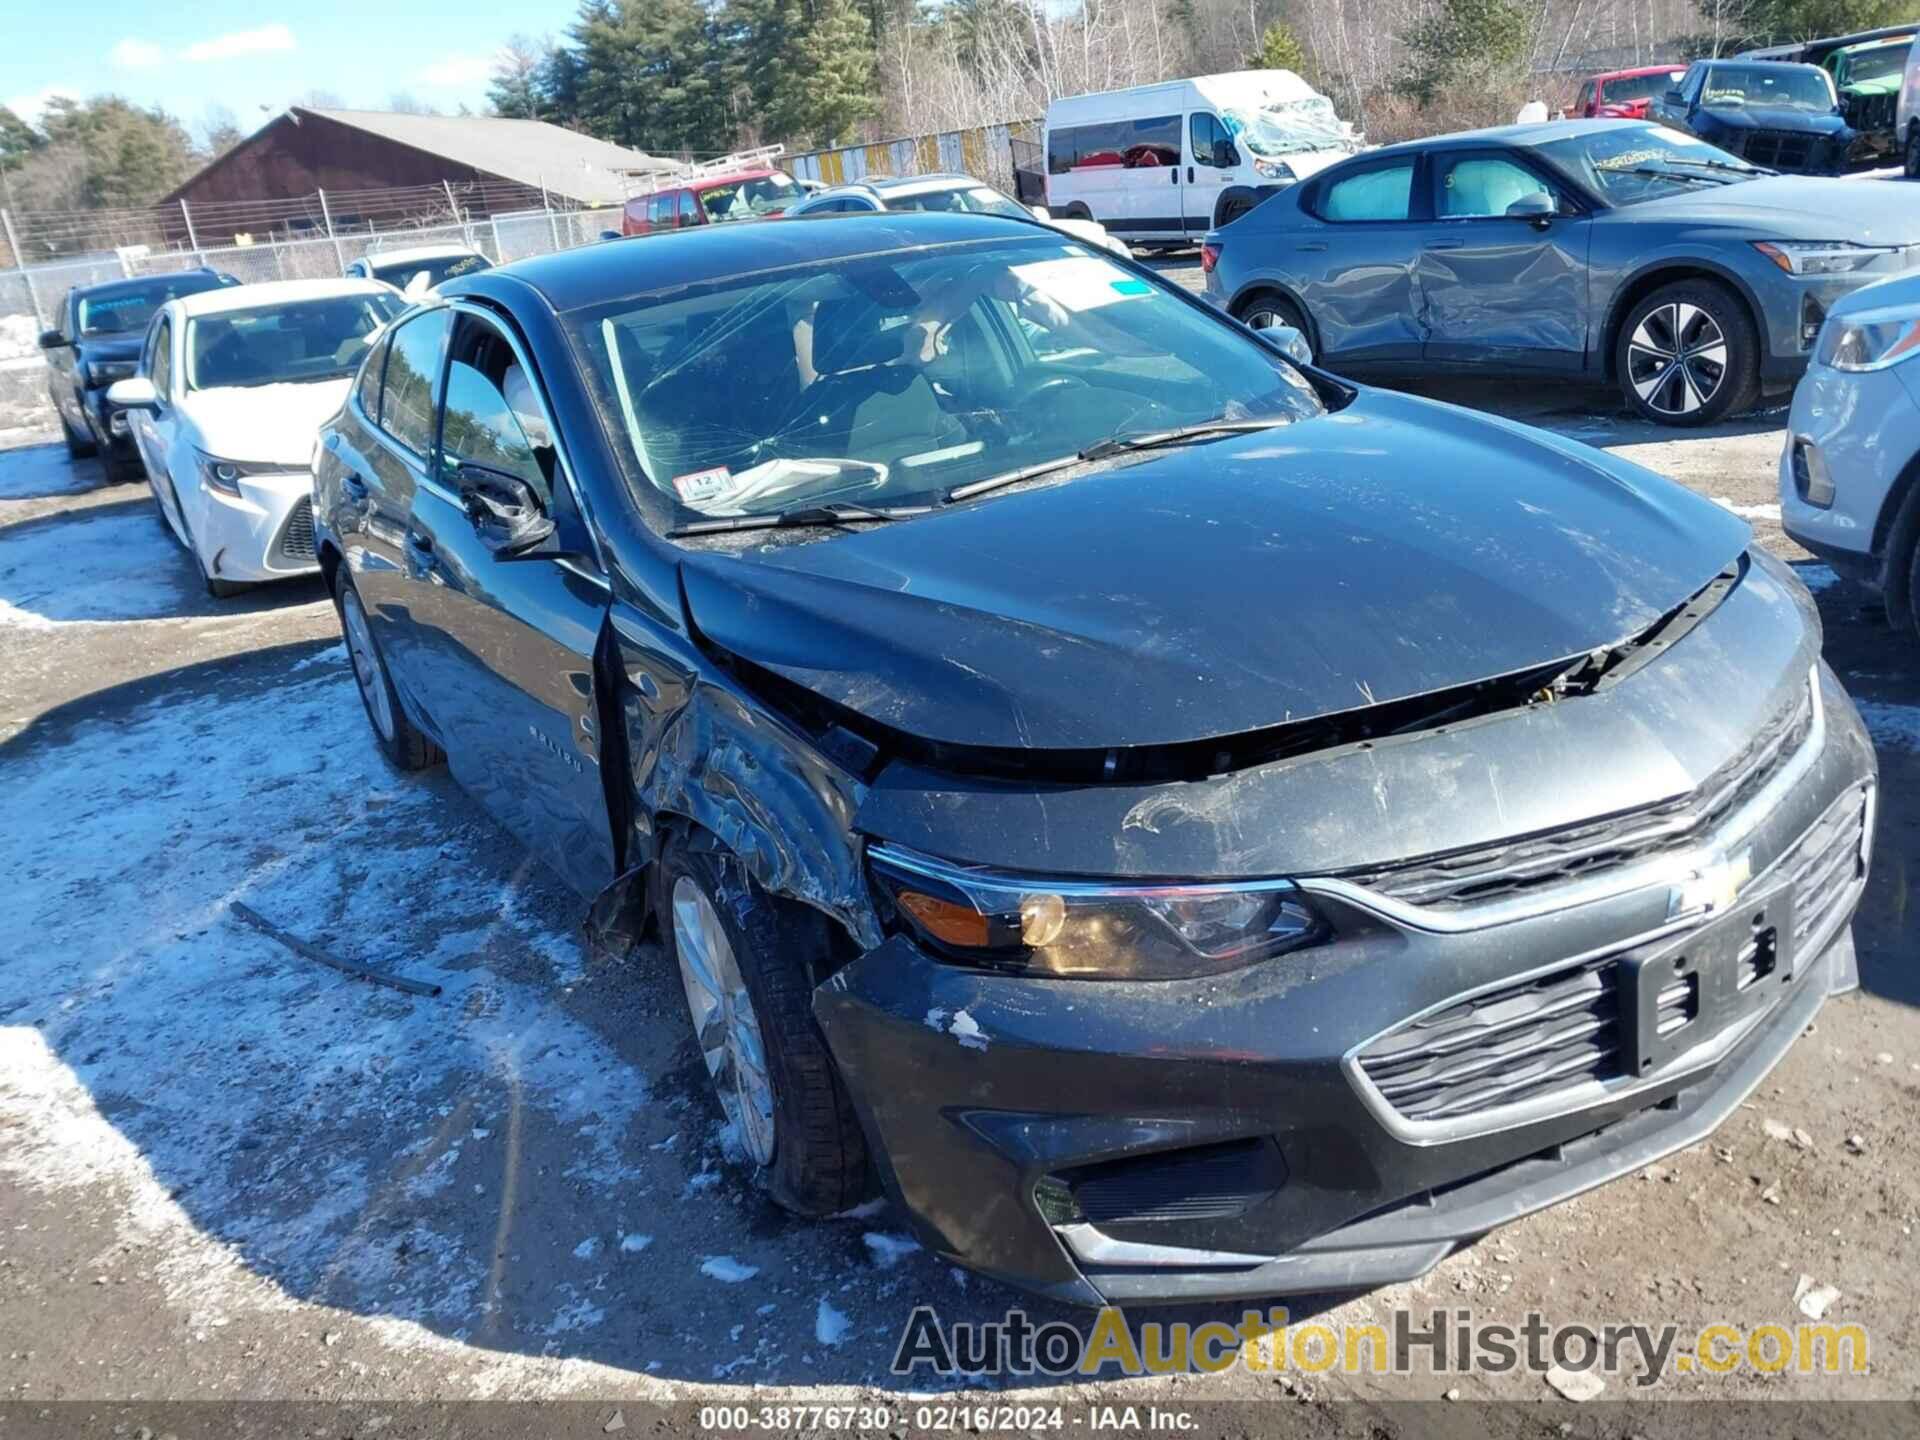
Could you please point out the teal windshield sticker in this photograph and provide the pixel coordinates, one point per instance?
(1132, 287)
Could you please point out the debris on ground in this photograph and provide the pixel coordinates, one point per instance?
(1575, 1384)
(1857, 1144)
(1814, 1300)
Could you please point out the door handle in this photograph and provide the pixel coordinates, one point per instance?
(1315, 247)
(1190, 175)
(1446, 245)
(355, 487)
(420, 544)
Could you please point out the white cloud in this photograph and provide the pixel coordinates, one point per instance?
(240, 42)
(459, 70)
(31, 107)
(131, 54)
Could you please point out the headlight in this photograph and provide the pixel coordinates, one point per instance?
(1871, 340)
(225, 475)
(1069, 929)
(1273, 170)
(1820, 257)
(102, 373)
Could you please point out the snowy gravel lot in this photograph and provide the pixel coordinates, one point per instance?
(231, 1173)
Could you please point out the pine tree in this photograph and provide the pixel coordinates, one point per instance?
(826, 83)
(1280, 49)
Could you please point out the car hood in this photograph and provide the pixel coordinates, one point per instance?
(1393, 549)
(1773, 117)
(1795, 206)
(273, 424)
(110, 347)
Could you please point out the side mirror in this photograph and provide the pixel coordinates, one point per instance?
(134, 393)
(1288, 341)
(1040, 212)
(53, 340)
(1674, 97)
(1539, 208)
(504, 511)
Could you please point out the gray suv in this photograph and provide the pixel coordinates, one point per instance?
(1604, 250)
(1850, 472)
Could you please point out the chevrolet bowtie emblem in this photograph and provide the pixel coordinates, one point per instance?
(1712, 888)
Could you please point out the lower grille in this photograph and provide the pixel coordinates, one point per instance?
(296, 539)
(1542, 1036)
(1214, 1182)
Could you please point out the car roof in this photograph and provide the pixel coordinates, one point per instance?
(417, 252)
(1726, 60)
(137, 282)
(882, 186)
(1885, 42)
(732, 177)
(596, 274)
(1542, 133)
(275, 292)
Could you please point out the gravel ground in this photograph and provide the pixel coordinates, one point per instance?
(232, 1174)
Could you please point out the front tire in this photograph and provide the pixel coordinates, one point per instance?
(393, 733)
(80, 446)
(747, 964)
(1688, 354)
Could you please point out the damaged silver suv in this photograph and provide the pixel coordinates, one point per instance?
(1184, 826)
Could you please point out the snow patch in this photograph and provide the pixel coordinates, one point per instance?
(889, 1250)
(91, 565)
(830, 1325)
(727, 1270)
(1749, 512)
(29, 472)
(332, 655)
(634, 1244)
(587, 1248)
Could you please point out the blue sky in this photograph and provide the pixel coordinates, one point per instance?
(255, 58)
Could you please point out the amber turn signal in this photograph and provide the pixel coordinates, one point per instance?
(947, 922)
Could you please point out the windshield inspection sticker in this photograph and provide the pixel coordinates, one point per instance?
(1082, 283)
(698, 487)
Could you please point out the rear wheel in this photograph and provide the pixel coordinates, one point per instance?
(1688, 354)
(747, 963)
(1266, 310)
(396, 736)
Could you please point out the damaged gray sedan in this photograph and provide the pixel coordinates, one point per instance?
(1184, 826)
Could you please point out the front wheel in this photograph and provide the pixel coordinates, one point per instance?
(79, 443)
(747, 964)
(1688, 354)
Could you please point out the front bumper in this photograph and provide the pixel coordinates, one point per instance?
(1221, 1139)
(264, 533)
(1861, 427)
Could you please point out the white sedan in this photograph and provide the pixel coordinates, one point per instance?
(232, 387)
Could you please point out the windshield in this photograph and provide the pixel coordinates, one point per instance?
(1882, 62)
(1630, 163)
(126, 312)
(1796, 87)
(402, 273)
(976, 199)
(747, 199)
(1628, 88)
(310, 340)
(1288, 127)
(892, 379)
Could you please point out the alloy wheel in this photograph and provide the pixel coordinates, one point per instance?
(367, 671)
(724, 1021)
(1266, 317)
(1677, 359)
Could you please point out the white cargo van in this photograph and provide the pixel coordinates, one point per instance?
(1168, 162)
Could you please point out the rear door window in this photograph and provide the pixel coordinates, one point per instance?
(368, 390)
(1381, 193)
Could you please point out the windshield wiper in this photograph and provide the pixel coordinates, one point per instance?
(1105, 449)
(1159, 439)
(799, 515)
(1722, 166)
(1679, 177)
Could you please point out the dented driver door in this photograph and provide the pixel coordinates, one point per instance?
(505, 638)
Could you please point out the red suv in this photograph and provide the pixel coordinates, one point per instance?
(1624, 94)
(740, 195)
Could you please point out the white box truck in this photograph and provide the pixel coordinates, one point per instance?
(1163, 164)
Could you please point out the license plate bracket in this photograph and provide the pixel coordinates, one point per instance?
(1680, 993)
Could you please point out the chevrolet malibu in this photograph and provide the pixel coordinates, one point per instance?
(1183, 825)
